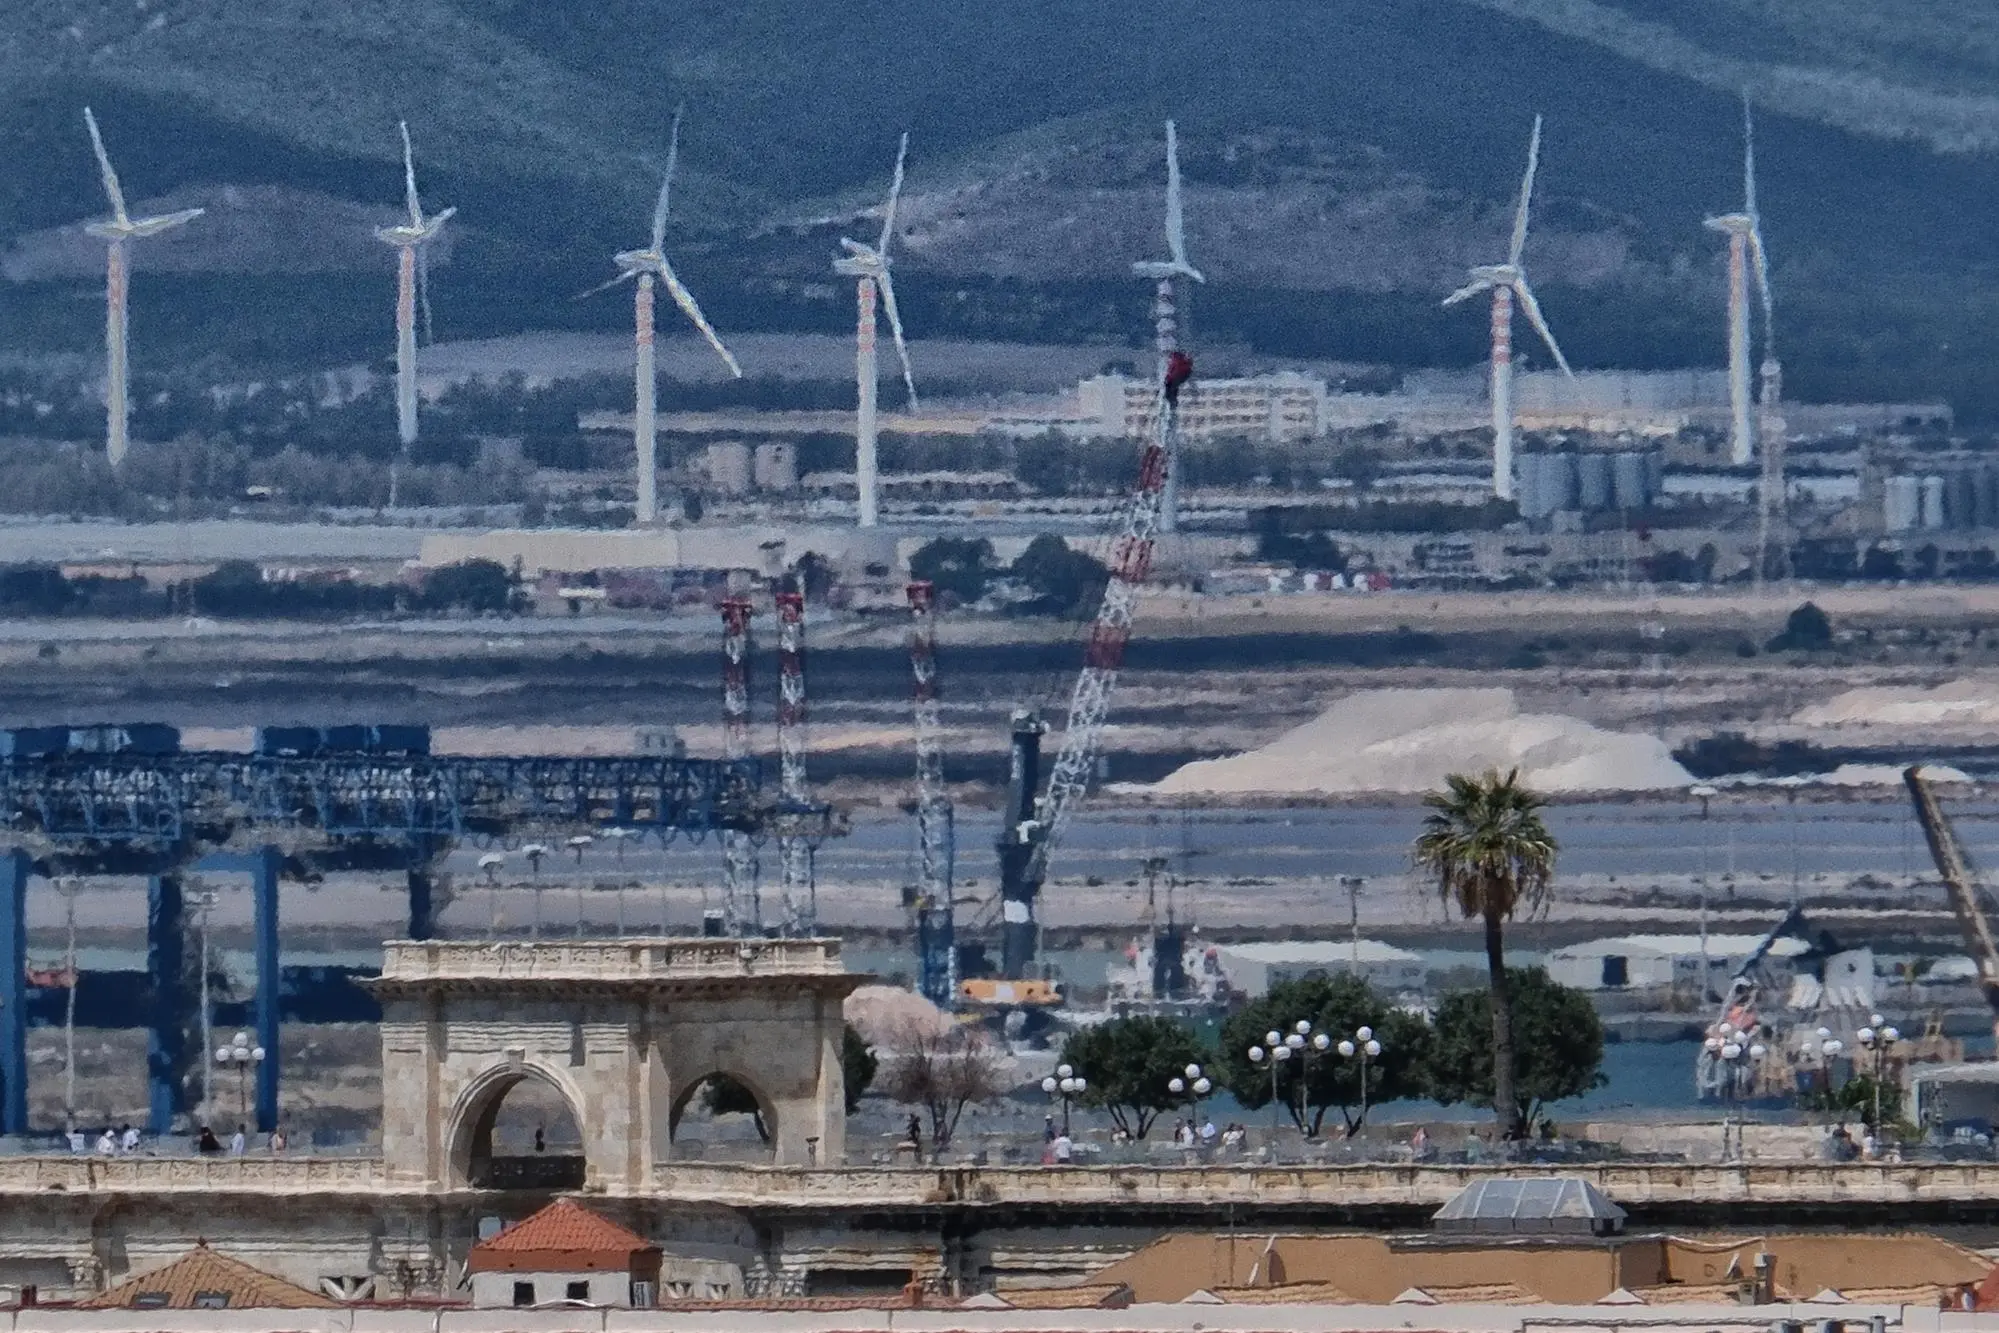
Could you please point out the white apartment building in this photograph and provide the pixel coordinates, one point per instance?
(1279, 408)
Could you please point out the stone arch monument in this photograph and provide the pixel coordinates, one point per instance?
(622, 1031)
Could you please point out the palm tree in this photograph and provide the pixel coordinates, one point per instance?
(1492, 856)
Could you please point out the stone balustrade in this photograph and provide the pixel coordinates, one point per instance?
(1341, 1189)
(152, 1175)
(625, 959)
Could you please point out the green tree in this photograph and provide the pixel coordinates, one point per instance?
(1063, 581)
(1336, 1006)
(1491, 855)
(857, 1065)
(472, 585)
(1127, 1063)
(958, 567)
(1808, 629)
(1557, 1042)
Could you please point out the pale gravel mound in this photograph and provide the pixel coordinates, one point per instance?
(882, 1014)
(1969, 702)
(1410, 740)
(1883, 775)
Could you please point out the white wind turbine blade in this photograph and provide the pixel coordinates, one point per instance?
(111, 189)
(1469, 290)
(1526, 196)
(1176, 215)
(895, 330)
(409, 177)
(894, 195)
(666, 186)
(685, 300)
(1755, 219)
(605, 286)
(1533, 309)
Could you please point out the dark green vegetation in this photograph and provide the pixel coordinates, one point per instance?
(1387, 132)
(1489, 851)
(1129, 1063)
(1557, 1046)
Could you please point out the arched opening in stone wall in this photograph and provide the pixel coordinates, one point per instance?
(722, 1117)
(520, 1132)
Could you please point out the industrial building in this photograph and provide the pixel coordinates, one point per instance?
(1255, 968)
(765, 550)
(1639, 961)
(1589, 481)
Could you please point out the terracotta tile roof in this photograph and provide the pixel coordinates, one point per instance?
(1483, 1293)
(1922, 1293)
(1290, 1293)
(1698, 1293)
(1100, 1296)
(205, 1279)
(561, 1236)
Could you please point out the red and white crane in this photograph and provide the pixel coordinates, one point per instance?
(1027, 838)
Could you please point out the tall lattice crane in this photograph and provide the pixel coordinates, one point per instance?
(795, 849)
(931, 908)
(1955, 869)
(1028, 836)
(742, 911)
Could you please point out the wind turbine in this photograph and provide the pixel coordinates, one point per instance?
(868, 265)
(1506, 282)
(410, 238)
(649, 266)
(1745, 244)
(116, 234)
(1165, 319)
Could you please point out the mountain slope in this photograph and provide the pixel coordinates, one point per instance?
(1344, 164)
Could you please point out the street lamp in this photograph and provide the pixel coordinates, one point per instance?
(1067, 1084)
(1735, 1050)
(1878, 1039)
(240, 1055)
(1367, 1046)
(1192, 1084)
(1273, 1055)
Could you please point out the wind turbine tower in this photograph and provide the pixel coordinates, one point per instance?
(409, 238)
(116, 234)
(648, 267)
(868, 265)
(1164, 273)
(1508, 282)
(1770, 491)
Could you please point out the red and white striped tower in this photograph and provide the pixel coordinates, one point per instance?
(801, 907)
(1502, 392)
(743, 913)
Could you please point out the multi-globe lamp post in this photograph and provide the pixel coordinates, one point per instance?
(1273, 1055)
(240, 1056)
(1192, 1084)
(1365, 1045)
(1737, 1051)
(1878, 1039)
(1067, 1084)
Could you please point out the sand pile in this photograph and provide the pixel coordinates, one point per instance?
(1968, 702)
(1409, 740)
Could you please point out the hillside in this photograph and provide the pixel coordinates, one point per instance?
(1344, 164)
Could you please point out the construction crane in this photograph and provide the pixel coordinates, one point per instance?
(801, 901)
(1955, 870)
(931, 907)
(742, 913)
(1028, 835)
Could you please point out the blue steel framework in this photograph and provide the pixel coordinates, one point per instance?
(162, 815)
